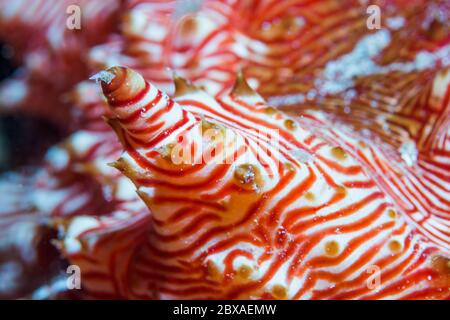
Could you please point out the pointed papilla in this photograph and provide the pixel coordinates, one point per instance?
(183, 87)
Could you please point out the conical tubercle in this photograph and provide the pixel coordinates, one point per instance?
(244, 92)
(162, 139)
(142, 110)
(241, 86)
(183, 87)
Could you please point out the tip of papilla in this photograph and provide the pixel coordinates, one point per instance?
(115, 164)
(119, 164)
(183, 86)
(111, 78)
(241, 87)
(105, 76)
(119, 84)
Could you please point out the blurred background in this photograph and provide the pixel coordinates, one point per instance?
(20, 132)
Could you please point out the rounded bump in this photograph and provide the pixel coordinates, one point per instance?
(332, 248)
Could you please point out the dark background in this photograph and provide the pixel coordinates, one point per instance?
(23, 139)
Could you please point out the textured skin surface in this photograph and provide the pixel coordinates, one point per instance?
(266, 223)
(360, 167)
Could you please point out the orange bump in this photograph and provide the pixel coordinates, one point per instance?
(437, 31)
(290, 124)
(341, 190)
(207, 125)
(339, 153)
(269, 110)
(395, 246)
(392, 214)
(362, 144)
(188, 25)
(279, 292)
(244, 272)
(441, 264)
(332, 248)
(310, 196)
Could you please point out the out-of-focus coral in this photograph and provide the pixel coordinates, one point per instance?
(52, 55)
(194, 39)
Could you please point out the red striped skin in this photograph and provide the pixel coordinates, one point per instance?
(203, 224)
(127, 252)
